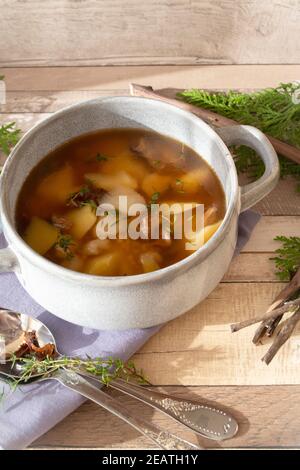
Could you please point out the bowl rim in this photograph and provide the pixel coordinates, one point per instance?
(20, 247)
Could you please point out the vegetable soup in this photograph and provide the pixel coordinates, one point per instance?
(57, 207)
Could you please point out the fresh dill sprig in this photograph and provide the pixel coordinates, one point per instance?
(9, 136)
(287, 260)
(275, 111)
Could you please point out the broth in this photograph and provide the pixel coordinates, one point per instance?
(56, 209)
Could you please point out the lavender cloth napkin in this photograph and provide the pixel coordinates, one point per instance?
(30, 411)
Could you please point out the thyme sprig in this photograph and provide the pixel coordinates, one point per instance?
(287, 260)
(275, 111)
(103, 369)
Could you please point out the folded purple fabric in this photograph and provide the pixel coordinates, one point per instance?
(32, 410)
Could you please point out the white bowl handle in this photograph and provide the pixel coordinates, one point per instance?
(255, 139)
(8, 261)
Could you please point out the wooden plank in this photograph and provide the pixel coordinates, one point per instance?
(251, 267)
(199, 348)
(170, 32)
(269, 227)
(51, 101)
(107, 78)
(268, 417)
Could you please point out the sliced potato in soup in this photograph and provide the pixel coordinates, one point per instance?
(104, 265)
(81, 220)
(57, 186)
(156, 183)
(40, 235)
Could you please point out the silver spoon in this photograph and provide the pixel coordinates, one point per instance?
(209, 422)
(12, 328)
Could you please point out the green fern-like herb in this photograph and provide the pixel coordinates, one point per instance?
(275, 111)
(9, 136)
(287, 260)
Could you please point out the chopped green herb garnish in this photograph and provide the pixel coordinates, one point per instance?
(101, 158)
(179, 185)
(288, 260)
(65, 242)
(91, 203)
(156, 162)
(154, 198)
(85, 196)
(75, 198)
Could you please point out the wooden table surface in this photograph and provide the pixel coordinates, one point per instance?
(193, 356)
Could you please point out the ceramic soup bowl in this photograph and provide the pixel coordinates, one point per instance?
(147, 299)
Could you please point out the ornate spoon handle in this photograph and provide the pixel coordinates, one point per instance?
(212, 423)
(163, 439)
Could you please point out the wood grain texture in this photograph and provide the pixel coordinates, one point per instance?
(267, 228)
(123, 32)
(199, 347)
(267, 416)
(55, 79)
(251, 267)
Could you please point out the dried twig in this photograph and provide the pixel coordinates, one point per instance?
(268, 326)
(270, 319)
(282, 336)
(269, 315)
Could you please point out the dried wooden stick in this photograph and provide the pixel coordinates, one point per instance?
(266, 316)
(273, 316)
(268, 326)
(214, 119)
(282, 336)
